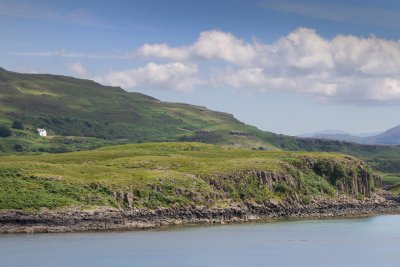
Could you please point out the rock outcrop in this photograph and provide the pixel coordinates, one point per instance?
(354, 180)
(124, 198)
(127, 219)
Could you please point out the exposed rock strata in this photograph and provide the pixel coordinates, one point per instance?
(124, 219)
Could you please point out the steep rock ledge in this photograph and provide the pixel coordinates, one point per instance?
(74, 220)
(351, 177)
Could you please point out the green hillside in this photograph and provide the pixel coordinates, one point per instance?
(81, 114)
(72, 107)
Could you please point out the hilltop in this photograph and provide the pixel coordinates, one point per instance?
(82, 114)
(74, 107)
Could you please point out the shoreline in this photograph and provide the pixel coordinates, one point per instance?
(108, 219)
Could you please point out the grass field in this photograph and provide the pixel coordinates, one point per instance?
(165, 174)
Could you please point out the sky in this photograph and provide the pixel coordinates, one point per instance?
(288, 67)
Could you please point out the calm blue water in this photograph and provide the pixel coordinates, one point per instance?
(322, 243)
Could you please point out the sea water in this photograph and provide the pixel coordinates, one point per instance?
(372, 241)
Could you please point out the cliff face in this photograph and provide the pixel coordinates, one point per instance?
(353, 182)
(299, 183)
(352, 179)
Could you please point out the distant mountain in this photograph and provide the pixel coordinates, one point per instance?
(324, 132)
(339, 135)
(389, 137)
(367, 134)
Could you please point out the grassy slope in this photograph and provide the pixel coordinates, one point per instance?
(159, 174)
(67, 106)
(101, 115)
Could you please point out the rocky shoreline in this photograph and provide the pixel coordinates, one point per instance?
(108, 219)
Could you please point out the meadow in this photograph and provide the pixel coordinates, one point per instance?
(167, 174)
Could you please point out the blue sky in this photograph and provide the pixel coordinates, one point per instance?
(285, 66)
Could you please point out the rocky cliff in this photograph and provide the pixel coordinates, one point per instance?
(350, 177)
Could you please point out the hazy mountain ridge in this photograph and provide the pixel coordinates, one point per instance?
(388, 137)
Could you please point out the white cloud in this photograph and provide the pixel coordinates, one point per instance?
(164, 51)
(174, 76)
(78, 69)
(257, 79)
(346, 68)
(225, 46)
(210, 45)
(302, 49)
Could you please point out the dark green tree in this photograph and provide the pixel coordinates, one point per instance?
(4, 131)
(18, 125)
(18, 148)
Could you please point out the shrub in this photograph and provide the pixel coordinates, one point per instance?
(338, 173)
(4, 131)
(17, 125)
(281, 188)
(18, 148)
(320, 168)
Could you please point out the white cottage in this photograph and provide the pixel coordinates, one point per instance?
(42, 132)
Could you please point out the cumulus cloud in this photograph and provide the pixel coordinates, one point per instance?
(164, 51)
(346, 68)
(210, 45)
(78, 69)
(343, 69)
(175, 76)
